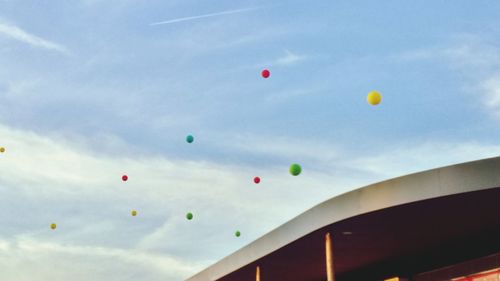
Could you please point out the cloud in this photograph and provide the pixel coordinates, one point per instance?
(472, 57)
(55, 261)
(479, 61)
(203, 16)
(278, 146)
(77, 185)
(414, 157)
(287, 59)
(416, 55)
(290, 58)
(462, 52)
(16, 33)
(327, 158)
(491, 89)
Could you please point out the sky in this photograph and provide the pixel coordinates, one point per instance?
(92, 89)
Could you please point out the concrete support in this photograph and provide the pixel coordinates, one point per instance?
(330, 273)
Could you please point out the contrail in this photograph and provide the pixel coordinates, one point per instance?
(19, 34)
(204, 16)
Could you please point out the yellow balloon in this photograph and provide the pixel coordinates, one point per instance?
(53, 226)
(2, 149)
(374, 98)
(134, 213)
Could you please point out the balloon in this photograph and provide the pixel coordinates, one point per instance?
(237, 233)
(2, 149)
(295, 169)
(134, 213)
(53, 226)
(256, 180)
(189, 138)
(189, 216)
(374, 98)
(124, 178)
(266, 73)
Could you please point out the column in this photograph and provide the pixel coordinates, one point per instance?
(330, 273)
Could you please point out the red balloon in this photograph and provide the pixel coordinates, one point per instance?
(265, 73)
(124, 178)
(256, 180)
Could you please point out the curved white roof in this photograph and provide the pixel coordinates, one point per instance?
(455, 179)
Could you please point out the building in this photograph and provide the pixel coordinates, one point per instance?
(441, 224)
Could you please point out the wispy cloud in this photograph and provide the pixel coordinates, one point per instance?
(81, 262)
(418, 156)
(290, 58)
(477, 60)
(491, 89)
(80, 189)
(44, 177)
(287, 58)
(327, 156)
(204, 16)
(16, 33)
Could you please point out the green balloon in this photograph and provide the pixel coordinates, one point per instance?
(189, 138)
(189, 216)
(237, 233)
(295, 169)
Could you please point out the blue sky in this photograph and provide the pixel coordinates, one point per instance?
(90, 90)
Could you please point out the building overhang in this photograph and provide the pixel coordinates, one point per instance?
(404, 225)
